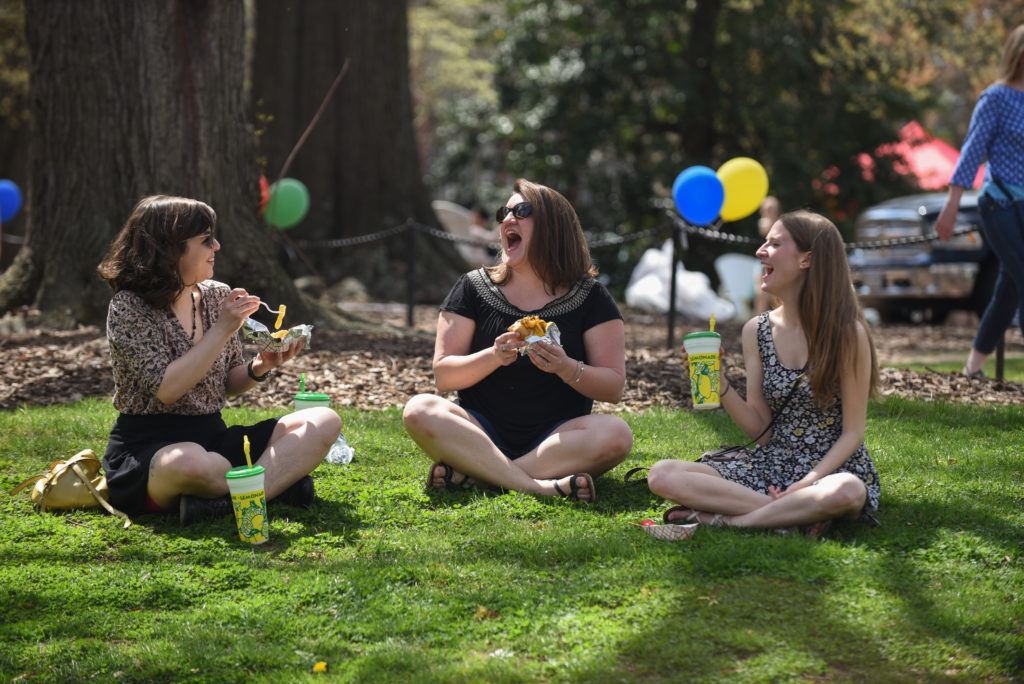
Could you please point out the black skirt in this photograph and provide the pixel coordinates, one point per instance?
(134, 441)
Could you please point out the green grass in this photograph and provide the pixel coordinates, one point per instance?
(384, 582)
(1013, 367)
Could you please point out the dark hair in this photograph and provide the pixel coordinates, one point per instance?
(558, 250)
(144, 256)
(828, 306)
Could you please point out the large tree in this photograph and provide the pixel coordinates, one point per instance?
(130, 99)
(360, 161)
(13, 115)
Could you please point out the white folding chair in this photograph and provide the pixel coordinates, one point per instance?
(737, 273)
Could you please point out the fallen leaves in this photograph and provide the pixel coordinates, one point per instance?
(374, 370)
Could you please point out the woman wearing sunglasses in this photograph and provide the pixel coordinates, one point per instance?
(176, 357)
(523, 421)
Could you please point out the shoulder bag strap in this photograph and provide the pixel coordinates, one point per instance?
(1016, 203)
(26, 483)
(99, 497)
(1002, 187)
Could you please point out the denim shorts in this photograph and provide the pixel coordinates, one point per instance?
(510, 452)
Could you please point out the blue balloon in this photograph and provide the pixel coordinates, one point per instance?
(10, 200)
(698, 194)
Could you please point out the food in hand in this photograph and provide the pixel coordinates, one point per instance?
(280, 317)
(529, 325)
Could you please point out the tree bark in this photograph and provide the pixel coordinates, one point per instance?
(360, 162)
(130, 99)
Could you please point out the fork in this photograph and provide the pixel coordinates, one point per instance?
(273, 311)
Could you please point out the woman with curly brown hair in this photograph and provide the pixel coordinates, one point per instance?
(811, 366)
(524, 422)
(176, 356)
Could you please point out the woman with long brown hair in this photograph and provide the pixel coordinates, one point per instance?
(810, 366)
(524, 422)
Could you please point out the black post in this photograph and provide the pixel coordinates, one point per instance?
(410, 276)
(676, 256)
(1000, 351)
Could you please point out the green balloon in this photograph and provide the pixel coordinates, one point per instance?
(288, 203)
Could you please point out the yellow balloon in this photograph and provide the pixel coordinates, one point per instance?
(746, 185)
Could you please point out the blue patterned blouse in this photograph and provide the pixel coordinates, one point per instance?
(996, 135)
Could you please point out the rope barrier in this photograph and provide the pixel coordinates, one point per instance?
(615, 241)
(675, 227)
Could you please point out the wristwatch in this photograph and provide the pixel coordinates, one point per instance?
(257, 378)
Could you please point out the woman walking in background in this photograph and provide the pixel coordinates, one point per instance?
(996, 135)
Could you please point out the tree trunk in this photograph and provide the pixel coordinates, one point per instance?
(700, 134)
(130, 99)
(360, 162)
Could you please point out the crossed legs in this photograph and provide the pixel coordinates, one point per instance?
(447, 433)
(701, 488)
(298, 443)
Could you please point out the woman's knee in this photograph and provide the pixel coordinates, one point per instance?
(665, 475)
(327, 421)
(617, 439)
(420, 413)
(185, 461)
(846, 495)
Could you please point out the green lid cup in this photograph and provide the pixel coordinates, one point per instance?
(705, 368)
(305, 400)
(250, 503)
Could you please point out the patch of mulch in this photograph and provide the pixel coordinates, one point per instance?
(372, 370)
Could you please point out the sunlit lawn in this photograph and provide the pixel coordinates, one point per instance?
(381, 581)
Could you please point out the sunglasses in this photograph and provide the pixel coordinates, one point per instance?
(520, 211)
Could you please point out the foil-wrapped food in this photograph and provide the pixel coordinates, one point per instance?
(275, 340)
(533, 329)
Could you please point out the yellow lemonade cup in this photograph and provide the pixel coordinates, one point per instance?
(705, 368)
(250, 503)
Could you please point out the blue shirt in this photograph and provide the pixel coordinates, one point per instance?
(996, 134)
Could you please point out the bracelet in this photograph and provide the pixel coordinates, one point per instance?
(575, 372)
(727, 388)
(579, 371)
(259, 378)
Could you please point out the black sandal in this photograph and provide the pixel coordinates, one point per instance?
(631, 472)
(449, 484)
(694, 516)
(574, 488)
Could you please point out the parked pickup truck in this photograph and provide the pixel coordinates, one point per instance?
(922, 280)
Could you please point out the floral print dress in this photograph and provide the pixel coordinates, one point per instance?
(801, 436)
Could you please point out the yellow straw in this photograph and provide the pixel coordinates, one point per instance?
(712, 322)
(245, 446)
